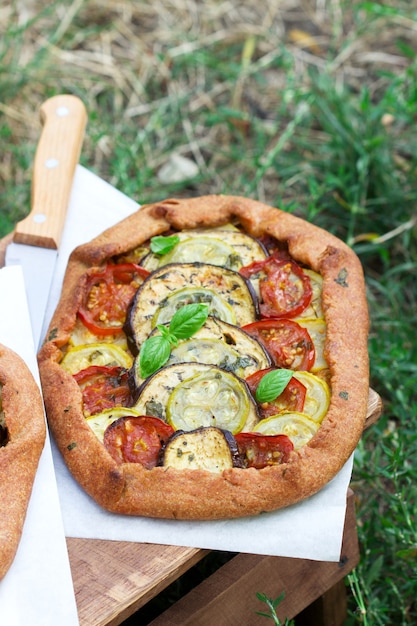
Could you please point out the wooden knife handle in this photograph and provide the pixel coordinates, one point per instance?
(64, 119)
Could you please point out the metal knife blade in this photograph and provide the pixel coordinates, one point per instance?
(37, 237)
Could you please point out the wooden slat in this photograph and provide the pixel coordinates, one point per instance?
(375, 407)
(329, 609)
(113, 579)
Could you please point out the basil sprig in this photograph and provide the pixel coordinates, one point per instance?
(272, 385)
(163, 245)
(185, 322)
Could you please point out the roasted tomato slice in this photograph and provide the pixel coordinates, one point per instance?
(259, 451)
(291, 399)
(103, 387)
(107, 296)
(285, 290)
(133, 439)
(288, 344)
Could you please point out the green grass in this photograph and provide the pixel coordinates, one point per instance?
(325, 130)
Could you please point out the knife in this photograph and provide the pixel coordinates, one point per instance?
(36, 238)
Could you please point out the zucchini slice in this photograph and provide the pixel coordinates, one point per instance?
(314, 309)
(317, 396)
(100, 421)
(206, 448)
(81, 357)
(298, 427)
(228, 294)
(81, 336)
(226, 247)
(190, 395)
(217, 343)
(316, 328)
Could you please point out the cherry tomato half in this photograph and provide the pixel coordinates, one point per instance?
(288, 344)
(259, 451)
(134, 439)
(284, 288)
(107, 296)
(291, 399)
(103, 387)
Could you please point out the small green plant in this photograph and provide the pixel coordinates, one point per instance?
(356, 589)
(272, 606)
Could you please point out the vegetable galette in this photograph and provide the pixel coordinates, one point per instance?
(207, 359)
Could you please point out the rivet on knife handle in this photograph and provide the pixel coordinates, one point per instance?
(64, 119)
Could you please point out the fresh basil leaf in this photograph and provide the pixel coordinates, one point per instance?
(162, 245)
(156, 350)
(188, 320)
(154, 353)
(165, 332)
(272, 385)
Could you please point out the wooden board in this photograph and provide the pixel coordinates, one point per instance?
(113, 579)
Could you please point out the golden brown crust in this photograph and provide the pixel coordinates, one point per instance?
(170, 493)
(24, 417)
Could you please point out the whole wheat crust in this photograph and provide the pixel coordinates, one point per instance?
(196, 494)
(25, 422)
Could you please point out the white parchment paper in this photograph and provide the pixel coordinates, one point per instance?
(312, 529)
(38, 588)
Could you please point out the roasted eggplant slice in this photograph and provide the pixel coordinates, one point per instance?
(229, 248)
(217, 343)
(207, 448)
(190, 395)
(227, 293)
